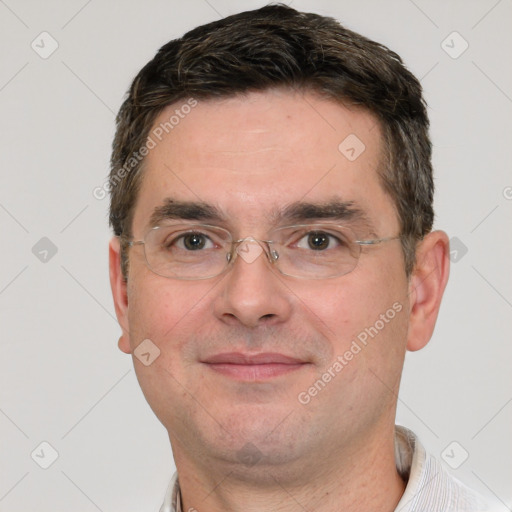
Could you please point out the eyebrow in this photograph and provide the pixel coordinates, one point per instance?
(185, 210)
(335, 209)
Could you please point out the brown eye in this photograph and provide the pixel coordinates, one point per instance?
(318, 241)
(194, 241)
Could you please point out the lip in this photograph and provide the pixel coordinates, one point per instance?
(253, 367)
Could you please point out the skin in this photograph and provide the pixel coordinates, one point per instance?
(248, 156)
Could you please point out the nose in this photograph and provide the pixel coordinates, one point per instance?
(251, 293)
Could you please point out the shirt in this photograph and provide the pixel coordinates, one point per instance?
(430, 488)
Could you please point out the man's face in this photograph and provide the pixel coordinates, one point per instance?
(251, 158)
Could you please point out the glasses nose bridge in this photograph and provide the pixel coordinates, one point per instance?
(265, 245)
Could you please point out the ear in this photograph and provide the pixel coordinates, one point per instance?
(426, 287)
(119, 293)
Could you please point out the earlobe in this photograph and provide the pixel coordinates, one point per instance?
(119, 293)
(426, 288)
(124, 345)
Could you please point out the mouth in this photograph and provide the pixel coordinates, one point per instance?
(254, 367)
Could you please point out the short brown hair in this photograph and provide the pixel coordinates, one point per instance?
(277, 46)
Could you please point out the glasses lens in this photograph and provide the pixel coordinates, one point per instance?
(316, 251)
(187, 251)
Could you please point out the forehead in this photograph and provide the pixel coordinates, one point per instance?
(260, 152)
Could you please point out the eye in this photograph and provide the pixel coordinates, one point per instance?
(191, 242)
(319, 241)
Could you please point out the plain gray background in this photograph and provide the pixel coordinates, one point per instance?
(64, 381)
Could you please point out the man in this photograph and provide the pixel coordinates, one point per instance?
(271, 197)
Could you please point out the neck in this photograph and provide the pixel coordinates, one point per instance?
(361, 477)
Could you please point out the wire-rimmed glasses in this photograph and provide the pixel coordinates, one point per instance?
(202, 251)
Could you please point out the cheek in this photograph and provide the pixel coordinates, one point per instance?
(380, 313)
(160, 309)
(369, 306)
(167, 313)
(345, 309)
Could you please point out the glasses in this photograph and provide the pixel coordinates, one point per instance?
(201, 251)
